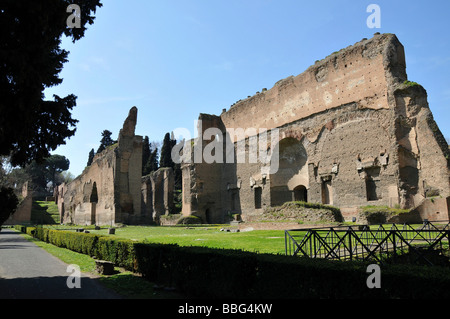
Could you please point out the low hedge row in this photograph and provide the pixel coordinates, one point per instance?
(202, 272)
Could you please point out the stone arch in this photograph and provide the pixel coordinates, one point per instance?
(301, 193)
(292, 170)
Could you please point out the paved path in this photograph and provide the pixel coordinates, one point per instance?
(28, 271)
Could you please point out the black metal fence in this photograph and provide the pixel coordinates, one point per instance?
(379, 243)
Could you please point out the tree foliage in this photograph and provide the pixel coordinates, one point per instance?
(166, 158)
(145, 154)
(91, 157)
(149, 157)
(31, 60)
(106, 141)
(51, 170)
(166, 152)
(9, 202)
(56, 164)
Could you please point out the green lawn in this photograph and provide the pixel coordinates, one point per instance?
(43, 212)
(261, 241)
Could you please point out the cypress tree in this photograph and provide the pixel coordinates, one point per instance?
(152, 163)
(145, 156)
(91, 157)
(166, 152)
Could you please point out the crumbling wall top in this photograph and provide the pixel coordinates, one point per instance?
(129, 124)
(364, 72)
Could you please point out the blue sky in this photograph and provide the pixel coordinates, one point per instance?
(174, 59)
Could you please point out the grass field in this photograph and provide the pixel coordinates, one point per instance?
(260, 241)
(43, 212)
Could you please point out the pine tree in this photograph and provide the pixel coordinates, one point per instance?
(91, 157)
(105, 141)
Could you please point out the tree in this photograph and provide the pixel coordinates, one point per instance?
(152, 162)
(166, 152)
(65, 177)
(105, 141)
(145, 155)
(38, 175)
(51, 170)
(30, 61)
(91, 157)
(9, 202)
(56, 164)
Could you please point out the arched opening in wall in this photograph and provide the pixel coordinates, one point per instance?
(292, 172)
(300, 194)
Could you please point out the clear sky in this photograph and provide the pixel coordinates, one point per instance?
(174, 59)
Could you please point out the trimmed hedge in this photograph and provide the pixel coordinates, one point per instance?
(201, 272)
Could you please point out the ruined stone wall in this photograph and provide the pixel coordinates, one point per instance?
(157, 195)
(360, 73)
(23, 211)
(90, 198)
(423, 152)
(109, 190)
(129, 172)
(351, 133)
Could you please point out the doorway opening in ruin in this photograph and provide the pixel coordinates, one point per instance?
(258, 197)
(292, 172)
(300, 194)
(233, 201)
(208, 216)
(93, 199)
(327, 192)
(372, 184)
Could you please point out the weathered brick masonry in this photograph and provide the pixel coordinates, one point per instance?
(352, 132)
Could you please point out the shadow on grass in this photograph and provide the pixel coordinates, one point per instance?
(41, 213)
(132, 286)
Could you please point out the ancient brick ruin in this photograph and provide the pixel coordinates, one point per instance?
(112, 190)
(350, 131)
